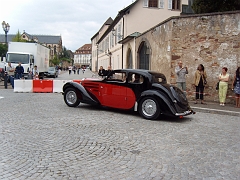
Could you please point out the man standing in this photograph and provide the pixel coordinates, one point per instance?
(181, 76)
(10, 71)
(19, 71)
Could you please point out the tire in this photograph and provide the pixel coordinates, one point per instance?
(148, 108)
(71, 98)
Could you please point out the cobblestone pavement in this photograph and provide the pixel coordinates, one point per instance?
(42, 138)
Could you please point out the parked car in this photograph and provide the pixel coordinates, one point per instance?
(131, 89)
(52, 72)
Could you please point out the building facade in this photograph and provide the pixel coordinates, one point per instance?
(83, 56)
(115, 47)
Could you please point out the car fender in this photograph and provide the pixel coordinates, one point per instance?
(166, 100)
(85, 96)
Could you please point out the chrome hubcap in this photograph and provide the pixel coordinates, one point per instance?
(149, 107)
(71, 97)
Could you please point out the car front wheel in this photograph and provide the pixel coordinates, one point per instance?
(149, 108)
(71, 98)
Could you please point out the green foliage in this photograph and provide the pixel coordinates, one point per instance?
(55, 61)
(3, 49)
(208, 6)
(18, 38)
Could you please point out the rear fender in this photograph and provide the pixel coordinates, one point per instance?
(163, 97)
(85, 96)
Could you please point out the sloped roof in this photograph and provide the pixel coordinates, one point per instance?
(47, 39)
(108, 22)
(9, 37)
(85, 49)
(116, 20)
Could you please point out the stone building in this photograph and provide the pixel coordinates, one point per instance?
(54, 43)
(83, 56)
(209, 39)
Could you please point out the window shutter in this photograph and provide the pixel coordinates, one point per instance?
(145, 3)
(161, 4)
(169, 4)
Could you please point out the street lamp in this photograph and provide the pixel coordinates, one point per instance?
(6, 28)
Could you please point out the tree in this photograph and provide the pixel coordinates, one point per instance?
(3, 50)
(18, 38)
(208, 6)
(55, 60)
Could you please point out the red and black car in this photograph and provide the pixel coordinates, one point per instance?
(140, 90)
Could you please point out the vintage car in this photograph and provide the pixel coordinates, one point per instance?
(131, 89)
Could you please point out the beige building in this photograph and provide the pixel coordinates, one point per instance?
(83, 55)
(114, 43)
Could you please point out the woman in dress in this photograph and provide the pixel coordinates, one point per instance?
(223, 85)
(200, 82)
(236, 87)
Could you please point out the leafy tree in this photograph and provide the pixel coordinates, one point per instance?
(208, 6)
(55, 60)
(3, 49)
(18, 38)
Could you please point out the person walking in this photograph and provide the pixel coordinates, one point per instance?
(70, 70)
(236, 87)
(19, 71)
(200, 82)
(10, 70)
(181, 76)
(223, 85)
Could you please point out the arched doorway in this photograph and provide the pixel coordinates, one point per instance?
(129, 64)
(143, 56)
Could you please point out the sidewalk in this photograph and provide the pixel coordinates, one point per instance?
(210, 107)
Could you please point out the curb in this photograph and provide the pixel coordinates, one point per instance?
(216, 111)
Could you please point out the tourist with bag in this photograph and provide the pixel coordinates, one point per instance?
(200, 82)
(223, 85)
(236, 87)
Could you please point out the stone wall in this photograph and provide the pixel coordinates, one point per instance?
(209, 39)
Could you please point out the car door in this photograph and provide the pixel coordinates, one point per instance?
(113, 92)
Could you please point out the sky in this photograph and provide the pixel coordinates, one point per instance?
(77, 21)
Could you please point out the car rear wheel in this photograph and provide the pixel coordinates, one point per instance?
(149, 108)
(71, 98)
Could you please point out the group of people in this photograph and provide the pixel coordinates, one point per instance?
(102, 72)
(75, 69)
(200, 81)
(14, 73)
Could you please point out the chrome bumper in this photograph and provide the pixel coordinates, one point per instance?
(185, 113)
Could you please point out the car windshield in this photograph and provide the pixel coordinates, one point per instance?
(158, 77)
(16, 58)
(51, 68)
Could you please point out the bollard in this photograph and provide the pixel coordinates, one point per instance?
(5, 80)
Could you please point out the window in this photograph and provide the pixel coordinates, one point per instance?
(153, 3)
(135, 78)
(174, 4)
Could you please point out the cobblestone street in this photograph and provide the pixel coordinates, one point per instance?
(42, 138)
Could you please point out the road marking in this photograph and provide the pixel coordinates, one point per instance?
(218, 110)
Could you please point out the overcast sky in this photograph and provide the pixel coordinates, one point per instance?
(75, 20)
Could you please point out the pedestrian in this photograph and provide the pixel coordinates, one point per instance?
(181, 76)
(200, 82)
(223, 85)
(35, 73)
(78, 69)
(83, 69)
(70, 69)
(19, 71)
(236, 87)
(101, 71)
(10, 70)
(74, 69)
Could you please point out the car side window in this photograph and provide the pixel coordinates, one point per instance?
(136, 78)
(120, 77)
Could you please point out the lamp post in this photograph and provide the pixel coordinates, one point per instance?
(6, 28)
